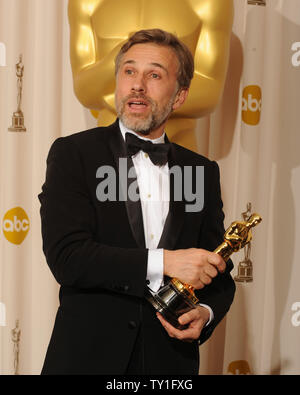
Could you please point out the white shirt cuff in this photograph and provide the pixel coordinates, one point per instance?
(211, 313)
(155, 269)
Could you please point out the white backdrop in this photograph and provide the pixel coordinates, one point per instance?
(256, 144)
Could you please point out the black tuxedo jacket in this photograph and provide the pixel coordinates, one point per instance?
(96, 252)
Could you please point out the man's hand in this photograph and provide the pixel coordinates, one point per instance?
(193, 266)
(195, 319)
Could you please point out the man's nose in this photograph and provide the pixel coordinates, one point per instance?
(138, 84)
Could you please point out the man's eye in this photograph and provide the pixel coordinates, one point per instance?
(154, 75)
(128, 71)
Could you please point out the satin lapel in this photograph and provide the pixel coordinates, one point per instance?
(134, 209)
(175, 217)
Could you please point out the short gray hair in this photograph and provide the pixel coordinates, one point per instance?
(161, 37)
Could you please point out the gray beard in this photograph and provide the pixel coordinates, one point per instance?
(144, 125)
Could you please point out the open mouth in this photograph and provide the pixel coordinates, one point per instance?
(137, 104)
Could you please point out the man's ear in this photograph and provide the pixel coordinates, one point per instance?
(181, 96)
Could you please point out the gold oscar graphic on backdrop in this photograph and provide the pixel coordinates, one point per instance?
(18, 117)
(239, 368)
(176, 298)
(251, 104)
(99, 28)
(257, 2)
(245, 270)
(15, 225)
(16, 337)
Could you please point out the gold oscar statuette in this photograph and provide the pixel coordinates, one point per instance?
(176, 298)
(245, 269)
(16, 336)
(18, 117)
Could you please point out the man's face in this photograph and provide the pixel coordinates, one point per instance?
(147, 88)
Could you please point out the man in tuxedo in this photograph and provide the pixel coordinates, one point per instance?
(106, 252)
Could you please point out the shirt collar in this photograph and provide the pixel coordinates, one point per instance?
(125, 130)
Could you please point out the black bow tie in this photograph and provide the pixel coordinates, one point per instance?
(158, 153)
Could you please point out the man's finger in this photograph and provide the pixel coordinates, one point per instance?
(205, 279)
(168, 327)
(211, 271)
(188, 334)
(217, 261)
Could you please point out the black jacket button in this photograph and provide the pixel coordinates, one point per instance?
(132, 324)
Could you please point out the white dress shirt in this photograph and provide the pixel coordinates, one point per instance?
(154, 188)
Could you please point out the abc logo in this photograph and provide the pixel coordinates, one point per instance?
(251, 104)
(15, 225)
(2, 314)
(239, 368)
(296, 316)
(2, 55)
(296, 55)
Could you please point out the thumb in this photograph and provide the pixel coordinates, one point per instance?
(186, 318)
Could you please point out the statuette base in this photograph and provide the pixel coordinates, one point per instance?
(171, 303)
(245, 272)
(17, 122)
